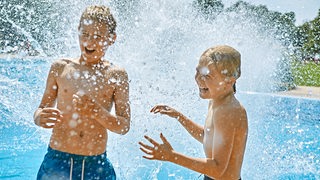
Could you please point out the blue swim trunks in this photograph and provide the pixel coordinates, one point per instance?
(59, 165)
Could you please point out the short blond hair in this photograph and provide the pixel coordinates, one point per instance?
(226, 59)
(100, 14)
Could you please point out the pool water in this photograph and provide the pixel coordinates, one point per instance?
(283, 141)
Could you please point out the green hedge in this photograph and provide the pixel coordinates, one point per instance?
(306, 73)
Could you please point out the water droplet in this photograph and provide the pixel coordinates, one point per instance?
(73, 123)
(225, 71)
(75, 116)
(204, 71)
(76, 75)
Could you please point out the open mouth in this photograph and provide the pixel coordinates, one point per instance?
(89, 51)
(202, 90)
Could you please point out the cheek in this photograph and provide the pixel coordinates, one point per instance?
(214, 84)
(103, 44)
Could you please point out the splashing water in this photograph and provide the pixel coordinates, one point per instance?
(159, 44)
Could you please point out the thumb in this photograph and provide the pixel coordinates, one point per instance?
(164, 139)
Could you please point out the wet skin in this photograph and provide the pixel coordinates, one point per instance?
(79, 96)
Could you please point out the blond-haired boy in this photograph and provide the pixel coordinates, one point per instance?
(224, 133)
(77, 102)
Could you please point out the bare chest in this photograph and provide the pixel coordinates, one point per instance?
(208, 134)
(96, 83)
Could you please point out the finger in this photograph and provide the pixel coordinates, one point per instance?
(154, 108)
(157, 108)
(50, 121)
(47, 126)
(146, 146)
(148, 157)
(151, 140)
(161, 111)
(50, 116)
(146, 151)
(164, 139)
(156, 111)
(76, 98)
(51, 111)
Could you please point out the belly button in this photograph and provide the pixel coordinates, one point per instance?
(65, 90)
(81, 134)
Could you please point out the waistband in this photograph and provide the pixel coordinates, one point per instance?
(64, 155)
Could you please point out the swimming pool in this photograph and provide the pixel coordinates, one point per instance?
(283, 140)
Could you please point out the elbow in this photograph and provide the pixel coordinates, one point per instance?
(125, 130)
(216, 172)
(124, 127)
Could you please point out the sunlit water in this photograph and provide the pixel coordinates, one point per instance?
(282, 144)
(159, 44)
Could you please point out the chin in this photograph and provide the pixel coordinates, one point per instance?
(91, 58)
(203, 96)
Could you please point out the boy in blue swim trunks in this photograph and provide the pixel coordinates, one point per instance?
(77, 103)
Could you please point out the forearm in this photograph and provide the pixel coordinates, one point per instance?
(202, 165)
(194, 129)
(114, 123)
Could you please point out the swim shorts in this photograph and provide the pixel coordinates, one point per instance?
(59, 165)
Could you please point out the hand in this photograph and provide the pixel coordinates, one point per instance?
(163, 152)
(164, 109)
(47, 117)
(83, 103)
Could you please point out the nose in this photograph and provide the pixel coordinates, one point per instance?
(199, 79)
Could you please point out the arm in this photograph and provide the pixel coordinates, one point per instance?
(194, 129)
(122, 104)
(47, 113)
(214, 167)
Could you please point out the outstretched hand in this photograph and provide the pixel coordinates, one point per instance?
(163, 152)
(167, 110)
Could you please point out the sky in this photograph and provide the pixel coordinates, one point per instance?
(305, 10)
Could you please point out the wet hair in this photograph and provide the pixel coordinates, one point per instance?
(226, 59)
(100, 14)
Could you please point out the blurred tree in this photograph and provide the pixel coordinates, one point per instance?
(209, 8)
(28, 24)
(310, 40)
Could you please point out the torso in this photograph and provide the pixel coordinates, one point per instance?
(78, 134)
(238, 148)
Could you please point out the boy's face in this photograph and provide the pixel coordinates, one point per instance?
(212, 84)
(94, 40)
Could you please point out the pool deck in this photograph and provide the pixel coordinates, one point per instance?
(303, 91)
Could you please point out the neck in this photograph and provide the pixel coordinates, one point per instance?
(223, 99)
(82, 61)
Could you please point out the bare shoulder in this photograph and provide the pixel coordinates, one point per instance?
(117, 72)
(233, 114)
(61, 63)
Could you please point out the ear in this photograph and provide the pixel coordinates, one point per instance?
(230, 81)
(112, 38)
